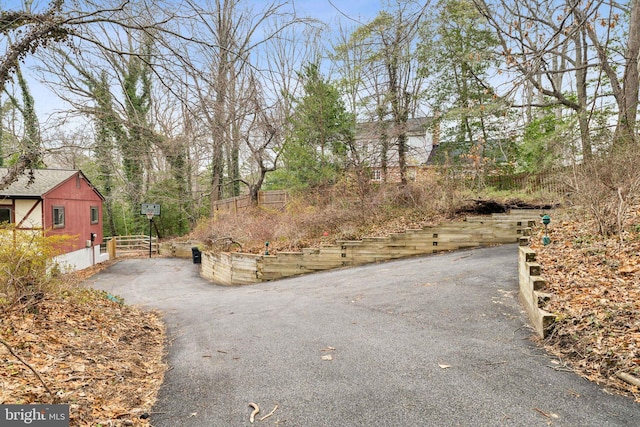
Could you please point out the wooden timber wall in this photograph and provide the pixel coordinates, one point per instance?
(178, 249)
(532, 295)
(239, 268)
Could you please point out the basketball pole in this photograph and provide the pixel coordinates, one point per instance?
(150, 216)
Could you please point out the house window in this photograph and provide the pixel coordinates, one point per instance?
(94, 215)
(58, 217)
(377, 175)
(5, 215)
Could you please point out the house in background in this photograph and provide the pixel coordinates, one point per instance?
(58, 202)
(422, 140)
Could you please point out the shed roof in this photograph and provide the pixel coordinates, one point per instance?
(44, 180)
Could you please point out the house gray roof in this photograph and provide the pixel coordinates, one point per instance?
(372, 130)
(44, 181)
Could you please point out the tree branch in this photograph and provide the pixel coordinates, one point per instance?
(24, 362)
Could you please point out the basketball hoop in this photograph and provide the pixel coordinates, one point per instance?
(150, 210)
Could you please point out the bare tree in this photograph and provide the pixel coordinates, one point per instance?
(270, 89)
(625, 89)
(389, 42)
(35, 29)
(558, 47)
(348, 60)
(262, 136)
(219, 84)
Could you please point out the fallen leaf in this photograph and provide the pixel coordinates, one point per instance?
(327, 357)
(444, 366)
(87, 344)
(628, 269)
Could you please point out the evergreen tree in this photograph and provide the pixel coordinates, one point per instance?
(322, 130)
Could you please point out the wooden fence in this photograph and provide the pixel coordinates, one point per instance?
(132, 244)
(276, 199)
(528, 182)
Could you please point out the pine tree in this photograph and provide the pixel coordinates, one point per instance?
(322, 129)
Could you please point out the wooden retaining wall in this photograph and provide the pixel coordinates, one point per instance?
(178, 249)
(239, 268)
(532, 285)
(230, 268)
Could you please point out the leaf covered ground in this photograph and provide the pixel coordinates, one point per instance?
(102, 357)
(594, 284)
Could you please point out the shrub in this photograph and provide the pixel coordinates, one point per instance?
(27, 269)
(607, 187)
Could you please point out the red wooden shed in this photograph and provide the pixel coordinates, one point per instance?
(58, 202)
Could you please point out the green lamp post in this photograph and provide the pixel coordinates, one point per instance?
(266, 248)
(546, 239)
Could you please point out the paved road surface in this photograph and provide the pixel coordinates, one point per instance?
(430, 341)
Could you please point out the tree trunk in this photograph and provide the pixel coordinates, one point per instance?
(108, 205)
(626, 128)
(581, 59)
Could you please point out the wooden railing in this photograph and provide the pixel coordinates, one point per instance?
(133, 244)
(528, 182)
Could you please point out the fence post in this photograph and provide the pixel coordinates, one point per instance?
(111, 248)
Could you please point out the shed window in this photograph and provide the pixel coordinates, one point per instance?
(58, 217)
(5, 215)
(377, 175)
(94, 215)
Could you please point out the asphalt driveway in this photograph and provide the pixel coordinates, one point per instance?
(438, 340)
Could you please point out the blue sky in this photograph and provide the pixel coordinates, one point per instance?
(321, 9)
(326, 10)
